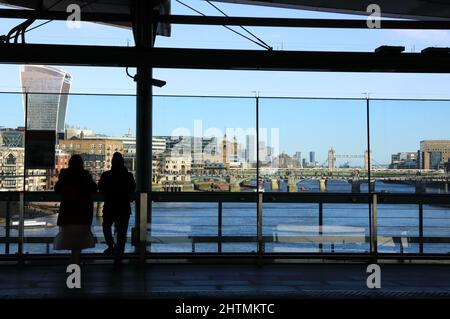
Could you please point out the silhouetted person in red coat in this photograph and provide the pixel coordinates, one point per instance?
(117, 185)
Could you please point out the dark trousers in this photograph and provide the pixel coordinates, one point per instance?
(121, 224)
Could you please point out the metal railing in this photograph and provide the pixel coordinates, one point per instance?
(318, 235)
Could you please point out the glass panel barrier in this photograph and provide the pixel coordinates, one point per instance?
(346, 228)
(11, 142)
(410, 145)
(9, 218)
(398, 228)
(184, 227)
(204, 144)
(92, 126)
(411, 150)
(104, 124)
(291, 227)
(239, 228)
(436, 229)
(11, 168)
(312, 228)
(314, 145)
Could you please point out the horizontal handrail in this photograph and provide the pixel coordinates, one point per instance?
(268, 197)
(250, 239)
(218, 96)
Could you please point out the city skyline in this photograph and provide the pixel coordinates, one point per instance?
(302, 126)
(184, 145)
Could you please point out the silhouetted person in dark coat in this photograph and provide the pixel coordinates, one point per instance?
(117, 185)
(76, 186)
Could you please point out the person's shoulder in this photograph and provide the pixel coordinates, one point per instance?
(105, 174)
(64, 171)
(131, 177)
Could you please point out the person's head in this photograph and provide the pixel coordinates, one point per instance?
(117, 161)
(76, 163)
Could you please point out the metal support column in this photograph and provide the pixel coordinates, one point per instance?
(143, 34)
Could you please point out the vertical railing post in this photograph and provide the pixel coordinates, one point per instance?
(321, 226)
(372, 245)
(8, 226)
(143, 204)
(421, 228)
(260, 228)
(374, 225)
(21, 226)
(219, 228)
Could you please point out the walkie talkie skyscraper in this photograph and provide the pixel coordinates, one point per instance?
(47, 90)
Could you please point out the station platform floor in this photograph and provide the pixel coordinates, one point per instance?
(225, 281)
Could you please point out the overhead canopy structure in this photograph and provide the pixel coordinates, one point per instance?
(389, 8)
(426, 14)
(414, 9)
(104, 7)
(124, 13)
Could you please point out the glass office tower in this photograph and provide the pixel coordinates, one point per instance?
(47, 90)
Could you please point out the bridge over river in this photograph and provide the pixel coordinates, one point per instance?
(237, 178)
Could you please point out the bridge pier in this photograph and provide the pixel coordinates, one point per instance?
(292, 186)
(275, 184)
(172, 188)
(323, 185)
(420, 187)
(372, 186)
(234, 184)
(235, 187)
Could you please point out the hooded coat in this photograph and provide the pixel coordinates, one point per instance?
(76, 188)
(117, 185)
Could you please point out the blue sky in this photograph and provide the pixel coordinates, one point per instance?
(304, 125)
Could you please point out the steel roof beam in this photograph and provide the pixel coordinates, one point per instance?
(303, 23)
(234, 21)
(224, 59)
